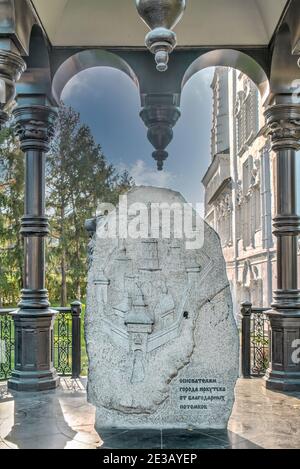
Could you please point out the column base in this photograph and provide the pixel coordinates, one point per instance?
(284, 370)
(284, 382)
(33, 382)
(34, 370)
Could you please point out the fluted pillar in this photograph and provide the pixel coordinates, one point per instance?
(283, 121)
(34, 320)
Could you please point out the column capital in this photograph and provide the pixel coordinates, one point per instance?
(11, 68)
(35, 126)
(283, 126)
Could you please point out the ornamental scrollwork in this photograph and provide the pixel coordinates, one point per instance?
(239, 193)
(285, 129)
(36, 130)
(283, 126)
(224, 206)
(35, 126)
(255, 176)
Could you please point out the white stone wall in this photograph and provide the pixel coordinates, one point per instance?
(251, 253)
(220, 125)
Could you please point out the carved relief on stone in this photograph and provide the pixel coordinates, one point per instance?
(239, 193)
(145, 331)
(238, 106)
(255, 175)
(224, 208)
(239, 115)
(165, 308)
(246, 87)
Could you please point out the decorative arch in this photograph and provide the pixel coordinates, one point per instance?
(234, 59)
(38, 56)
(85, 60)
(284, 68)
(37, 78)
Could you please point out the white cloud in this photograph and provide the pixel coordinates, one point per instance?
(196, 89)
(78, 85)
(145, 175)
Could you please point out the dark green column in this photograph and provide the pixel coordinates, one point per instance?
(283, 121)
(34, 320)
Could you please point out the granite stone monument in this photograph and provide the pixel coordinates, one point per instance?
(161, 337)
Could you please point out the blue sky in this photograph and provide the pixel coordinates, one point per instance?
(108, 101)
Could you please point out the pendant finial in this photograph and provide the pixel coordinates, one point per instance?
(161, 16)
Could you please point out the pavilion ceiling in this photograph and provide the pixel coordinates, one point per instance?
(116, 22)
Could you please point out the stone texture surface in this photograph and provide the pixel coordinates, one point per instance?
(161, 337)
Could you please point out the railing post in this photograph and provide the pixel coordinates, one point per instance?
(76, 338)
(246, 348)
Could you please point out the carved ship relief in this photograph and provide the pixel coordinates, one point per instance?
(131, 323)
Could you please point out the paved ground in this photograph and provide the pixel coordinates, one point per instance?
(63, 419)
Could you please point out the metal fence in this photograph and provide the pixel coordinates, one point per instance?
(255, 340)
(7, 343)
(66, 341)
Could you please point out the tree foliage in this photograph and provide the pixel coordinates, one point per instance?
(78, 178)
(11, 211)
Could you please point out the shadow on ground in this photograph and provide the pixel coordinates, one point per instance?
(173, 439)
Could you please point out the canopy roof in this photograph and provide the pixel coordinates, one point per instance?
(116, 22)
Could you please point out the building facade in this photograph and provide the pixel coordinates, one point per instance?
(239, 187)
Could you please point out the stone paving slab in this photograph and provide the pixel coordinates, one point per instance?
(63, 419)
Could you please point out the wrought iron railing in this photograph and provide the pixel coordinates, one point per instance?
(255, 340)
(7, 343)
(66, 341)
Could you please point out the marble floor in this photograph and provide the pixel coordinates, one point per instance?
(63, 419)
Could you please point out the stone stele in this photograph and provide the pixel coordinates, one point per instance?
(161, 337)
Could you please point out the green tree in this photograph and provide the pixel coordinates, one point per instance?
(78, 179)
(11, 211)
